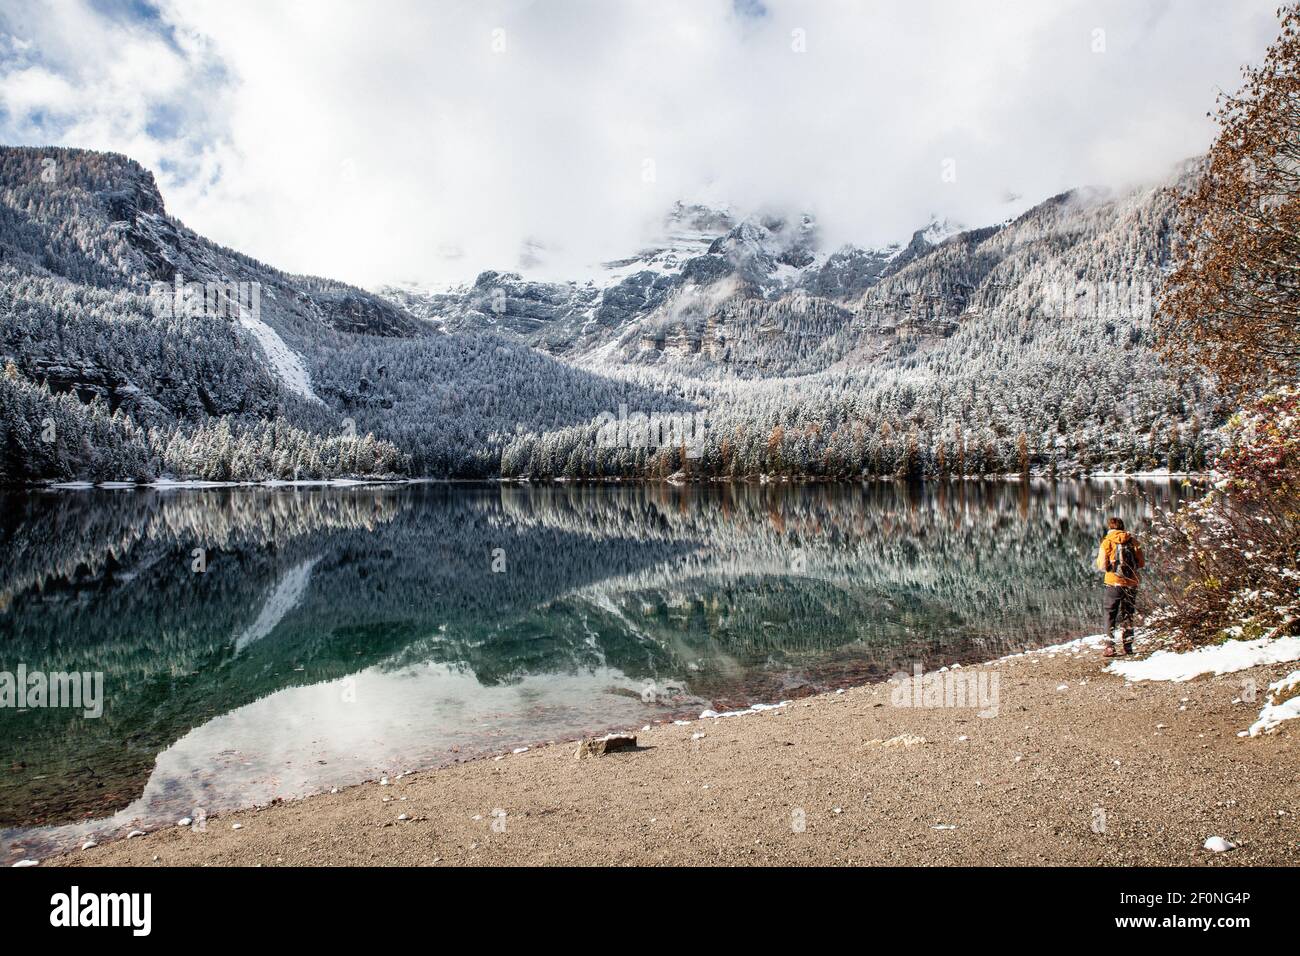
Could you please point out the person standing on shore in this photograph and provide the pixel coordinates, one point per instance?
(1120, 556)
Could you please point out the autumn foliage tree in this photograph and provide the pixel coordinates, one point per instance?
(1232, 305)
(1227, 565)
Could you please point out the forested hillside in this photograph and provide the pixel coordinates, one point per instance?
(325, 381)
(1025, 346)
(1022, 346)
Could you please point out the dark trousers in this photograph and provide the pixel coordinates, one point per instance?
(1120, 604)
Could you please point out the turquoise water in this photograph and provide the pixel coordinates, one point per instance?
(258, 643)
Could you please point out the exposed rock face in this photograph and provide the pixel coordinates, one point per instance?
(351, 311)
(125, 213)
(668, 303)
(504, 302)
(85, 240)
(756, 250)
(140, 196)
(849, 272)
(89, 381)
(635, 295)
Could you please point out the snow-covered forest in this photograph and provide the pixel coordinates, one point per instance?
(1023, 346)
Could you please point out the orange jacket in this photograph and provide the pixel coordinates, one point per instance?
(1107, 554)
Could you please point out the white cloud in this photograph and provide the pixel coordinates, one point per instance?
(367, 142)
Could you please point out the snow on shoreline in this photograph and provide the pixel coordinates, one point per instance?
(1227, 658)
(751, 709)
(1075, 645)
(1216, 659)
(1274, 713)
(166, 484)
(193, 483)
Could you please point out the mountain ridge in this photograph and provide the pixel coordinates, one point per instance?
(785, 347)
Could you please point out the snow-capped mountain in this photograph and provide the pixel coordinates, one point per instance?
(704, 255)
(969, 350)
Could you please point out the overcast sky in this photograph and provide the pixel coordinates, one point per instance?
(394, 140)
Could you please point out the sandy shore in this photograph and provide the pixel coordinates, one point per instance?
(1155, 767)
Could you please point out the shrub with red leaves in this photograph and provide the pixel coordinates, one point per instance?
(1227, 566)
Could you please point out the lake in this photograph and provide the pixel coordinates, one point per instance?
(261, 643)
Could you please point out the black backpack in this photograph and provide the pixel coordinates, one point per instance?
(1123, 561)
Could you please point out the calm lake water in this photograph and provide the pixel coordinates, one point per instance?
(258, 643)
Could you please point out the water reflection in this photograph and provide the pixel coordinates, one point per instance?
(340, 633)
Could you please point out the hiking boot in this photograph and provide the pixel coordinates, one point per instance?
(1109, 650)
(1128, 646)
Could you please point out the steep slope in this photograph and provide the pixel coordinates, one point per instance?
(1024, 344)
(89, 267)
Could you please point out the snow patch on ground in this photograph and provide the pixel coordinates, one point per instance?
(284, 360)
(1216, 659)
(1274, 713)
(1076, 645)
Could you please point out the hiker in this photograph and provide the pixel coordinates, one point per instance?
(1120, 557)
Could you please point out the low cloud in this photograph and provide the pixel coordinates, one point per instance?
(416, 141)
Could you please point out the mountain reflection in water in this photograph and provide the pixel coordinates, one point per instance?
(340, 633)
